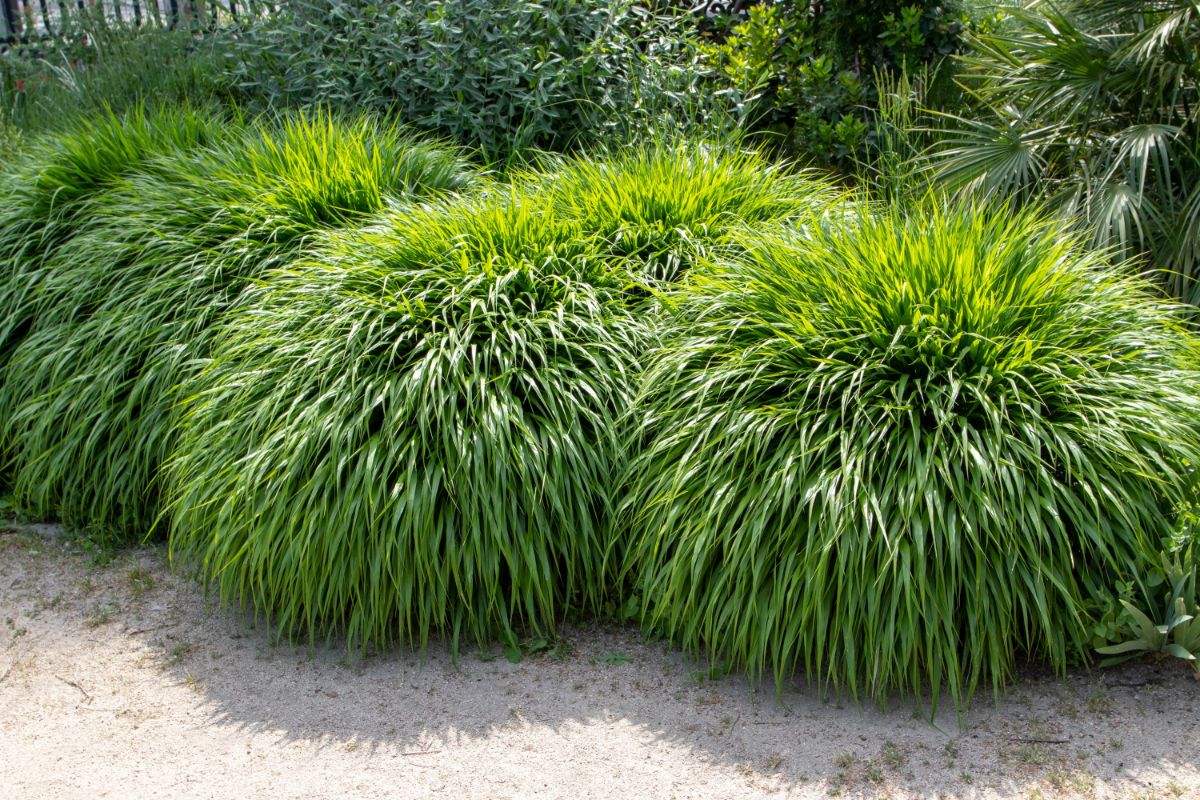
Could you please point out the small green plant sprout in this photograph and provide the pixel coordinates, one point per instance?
(1179, 633)
(614, 659)
(535, 647)
(141, 581)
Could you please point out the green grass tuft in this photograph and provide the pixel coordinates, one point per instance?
(903, 452)
(414, 432)
(666, 205)
(47, 193)
(127, 307)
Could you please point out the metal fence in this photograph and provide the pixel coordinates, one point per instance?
(27, 21)
(33, 21)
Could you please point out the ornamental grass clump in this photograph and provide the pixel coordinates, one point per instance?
(904, 452)
(414, 432)
(662, 207)
(87, 403)
(47, 193)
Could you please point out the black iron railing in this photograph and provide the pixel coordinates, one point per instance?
(31, 21)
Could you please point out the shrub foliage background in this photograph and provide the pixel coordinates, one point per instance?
(901, 453)
(1091, 109)
(502, 76)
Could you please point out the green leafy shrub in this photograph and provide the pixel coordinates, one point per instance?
(125, 310)
(414, 432)
(812, 66)
(499, 75)
(904, 451)
(1091, 109)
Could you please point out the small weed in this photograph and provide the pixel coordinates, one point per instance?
(554, 647)
(53, 603)
(141, 581)
(773, 762)
(26, 541)
(1100, 702)
(1031, 754)
(100, 545)
(516, 650)
(1077, 783)
(966, 778)
(102, 614)
(892, 755)
(179, 651)
(1068, 710)
(1116, 744)
(873, 773)
(17, 633)
(845, 761)
(613, 659)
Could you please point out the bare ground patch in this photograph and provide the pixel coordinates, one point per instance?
(124, 681)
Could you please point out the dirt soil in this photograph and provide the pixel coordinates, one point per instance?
(124, 681)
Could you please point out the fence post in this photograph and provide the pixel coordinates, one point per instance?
(12, 20)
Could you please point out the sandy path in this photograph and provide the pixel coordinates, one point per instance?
(123, 681)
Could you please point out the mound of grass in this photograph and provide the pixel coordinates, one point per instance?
(902, 453)
(414, 433)
(48, 191)
(664, 206)
(88, 398)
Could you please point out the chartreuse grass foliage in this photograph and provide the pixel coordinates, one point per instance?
(47, 193)
(902, 453)
(666, 204)
(87, 401)
(414, 433)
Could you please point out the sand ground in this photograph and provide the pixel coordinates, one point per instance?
(123, 681)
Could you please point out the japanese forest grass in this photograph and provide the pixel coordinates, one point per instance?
(414, 433)
(903, 453)
(666, 205)
(48, 191)
(418, 431)
(87, 401)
